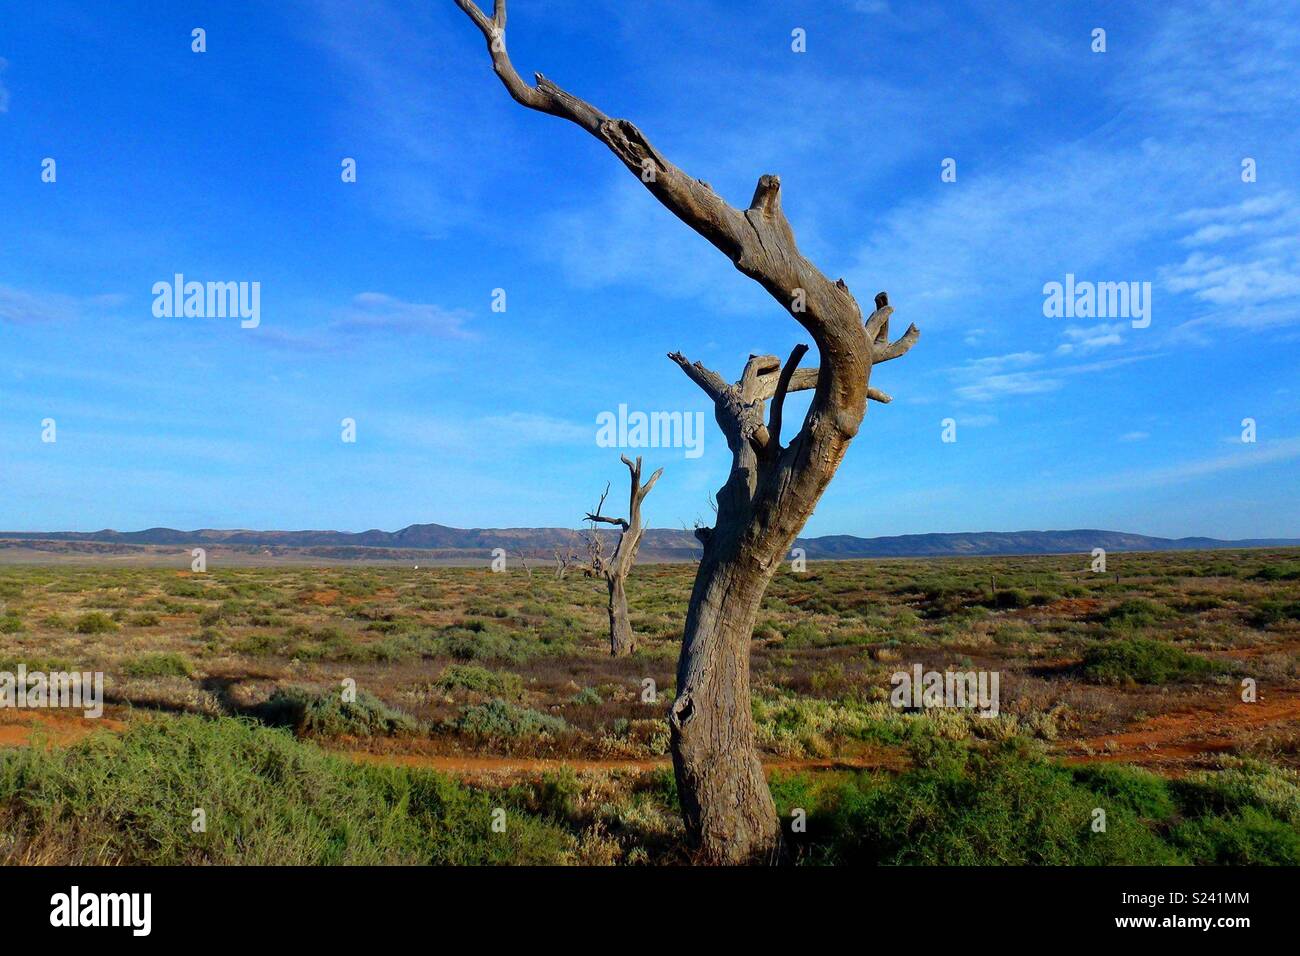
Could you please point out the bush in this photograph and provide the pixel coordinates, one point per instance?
(1008, 598)
(498, 719)
(158, 665)
(1275, 612)
(312, 714)
(10, 623)
(269, 800)
(1141, 791)
(1143, 661)
(480, 641)
(480, 680)
(96, 622)
(1278, 572)
(1134, 613)
(960, 807)
(1240, 839)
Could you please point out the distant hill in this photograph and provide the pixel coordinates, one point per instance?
(439, 542)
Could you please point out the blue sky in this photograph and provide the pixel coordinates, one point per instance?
(376, 295)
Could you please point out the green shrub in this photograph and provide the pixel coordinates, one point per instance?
(1144, 793)
(268, 799)
(1278, 572)
(1143, 661)
(480, 680)
(10, 623)
(96, 622)
(1008, 598)
(1134, 613)
(313, 714)
(184, 588)
(481, 641)
(1247, 837)
(45, 665)
(158, 665)
(1275, 612)
(499, 719)
(960, 807)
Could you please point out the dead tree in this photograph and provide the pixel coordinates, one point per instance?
(772, 488)
(615, 571)
(566, 556)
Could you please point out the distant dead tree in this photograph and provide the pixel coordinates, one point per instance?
(772, 488)
(566, 556)
(615, 571)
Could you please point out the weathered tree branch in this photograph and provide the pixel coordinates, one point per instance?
(899, 348)
(713, 384)
(621, 638)
(778, 401)
(770, 492)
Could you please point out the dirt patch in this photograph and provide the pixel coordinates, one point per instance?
(1260, 650)
(1188, 734)
(327, 598)
(461, 765)
(18, 727)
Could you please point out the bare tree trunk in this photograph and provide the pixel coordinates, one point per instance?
(772, 489)
(621, 640)
(726, 804)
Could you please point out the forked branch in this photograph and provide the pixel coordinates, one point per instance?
(778, 400)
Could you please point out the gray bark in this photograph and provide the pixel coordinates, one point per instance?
(622, 641)
(772, 489)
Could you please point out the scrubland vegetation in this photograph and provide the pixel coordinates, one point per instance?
(1120, 692)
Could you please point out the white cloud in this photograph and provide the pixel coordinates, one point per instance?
(1221, 62)
(1089, 338)
(375, 316)
(1246, 457)
(376, 312)
(992, 387)
(1244, 255)
(20, 307)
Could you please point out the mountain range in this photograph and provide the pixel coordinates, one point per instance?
(435, 541)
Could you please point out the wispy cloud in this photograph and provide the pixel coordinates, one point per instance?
(1090, 338)
(20, 307)
(4, 92)
(374, 316)
(988, 379)
(1247, 456)
(1221, 62)
(375, 312)
(1247, 254)
(991, 387)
